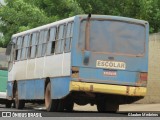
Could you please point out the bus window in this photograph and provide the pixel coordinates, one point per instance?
(51, 42)
(63, 39)
(24, 47)
(68, 40)
(18, 50)
(28, 49)
(44, 43)
(39, 52)
(34, 44)
(60, 39)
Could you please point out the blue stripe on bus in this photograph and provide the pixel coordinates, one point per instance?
(34, 89)
(60, 87)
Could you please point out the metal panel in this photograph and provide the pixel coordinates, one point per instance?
(109, 89)
(66, 64)
(30, 69)
(39, 66)
(29, 89)
(20, 70)
(21, 89)
(97, 75)
(39, 89)
(60, 87)
(53, 65)
(11, 73)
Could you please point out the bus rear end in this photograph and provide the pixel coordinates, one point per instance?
(109, 61)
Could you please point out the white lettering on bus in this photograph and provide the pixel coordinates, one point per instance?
(111, 64)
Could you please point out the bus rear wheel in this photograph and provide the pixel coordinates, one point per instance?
(50, 104)
(69, 105)
(19, 104)
(105, 106)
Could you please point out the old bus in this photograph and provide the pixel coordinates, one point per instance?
(98, 59)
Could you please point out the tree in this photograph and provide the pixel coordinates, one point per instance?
(18, 15)
(148, 10)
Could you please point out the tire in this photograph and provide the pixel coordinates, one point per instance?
(112, 107)
(101, 105)
(69, 105)
(19, 104)
(8, 104)
(104, 106)
(61, 105)
(50, 104)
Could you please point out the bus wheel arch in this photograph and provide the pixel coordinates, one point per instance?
(50, 104)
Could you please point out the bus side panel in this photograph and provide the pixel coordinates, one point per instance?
(31, 89)
(39, 89)
(60, 87)
(21, 89)
(3, 80)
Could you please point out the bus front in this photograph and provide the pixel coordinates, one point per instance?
(109, 60)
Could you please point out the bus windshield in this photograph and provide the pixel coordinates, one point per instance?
(3, 60)
(115, 37)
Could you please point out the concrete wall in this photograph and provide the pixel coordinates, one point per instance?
(153, 93)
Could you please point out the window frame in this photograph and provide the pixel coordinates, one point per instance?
(34, 45)
(61, 38)
(51, 41)
(41, 42)
(24, 46)
(70, 37)
(18, 48)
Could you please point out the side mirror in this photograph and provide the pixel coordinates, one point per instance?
(87, 55)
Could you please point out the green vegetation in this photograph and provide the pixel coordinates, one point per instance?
(20, 15)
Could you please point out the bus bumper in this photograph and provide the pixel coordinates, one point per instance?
(108, 89)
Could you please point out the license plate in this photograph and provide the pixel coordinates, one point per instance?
(109, 73)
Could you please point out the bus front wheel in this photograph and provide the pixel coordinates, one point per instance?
(8, 104)
(50, 104)
(19, 104)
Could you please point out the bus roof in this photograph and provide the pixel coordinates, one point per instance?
(109, 17)
(44, 27)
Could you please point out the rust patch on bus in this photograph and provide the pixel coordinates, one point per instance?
(127, 90)
(91, 87)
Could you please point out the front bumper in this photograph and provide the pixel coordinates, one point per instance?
(108, 89)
